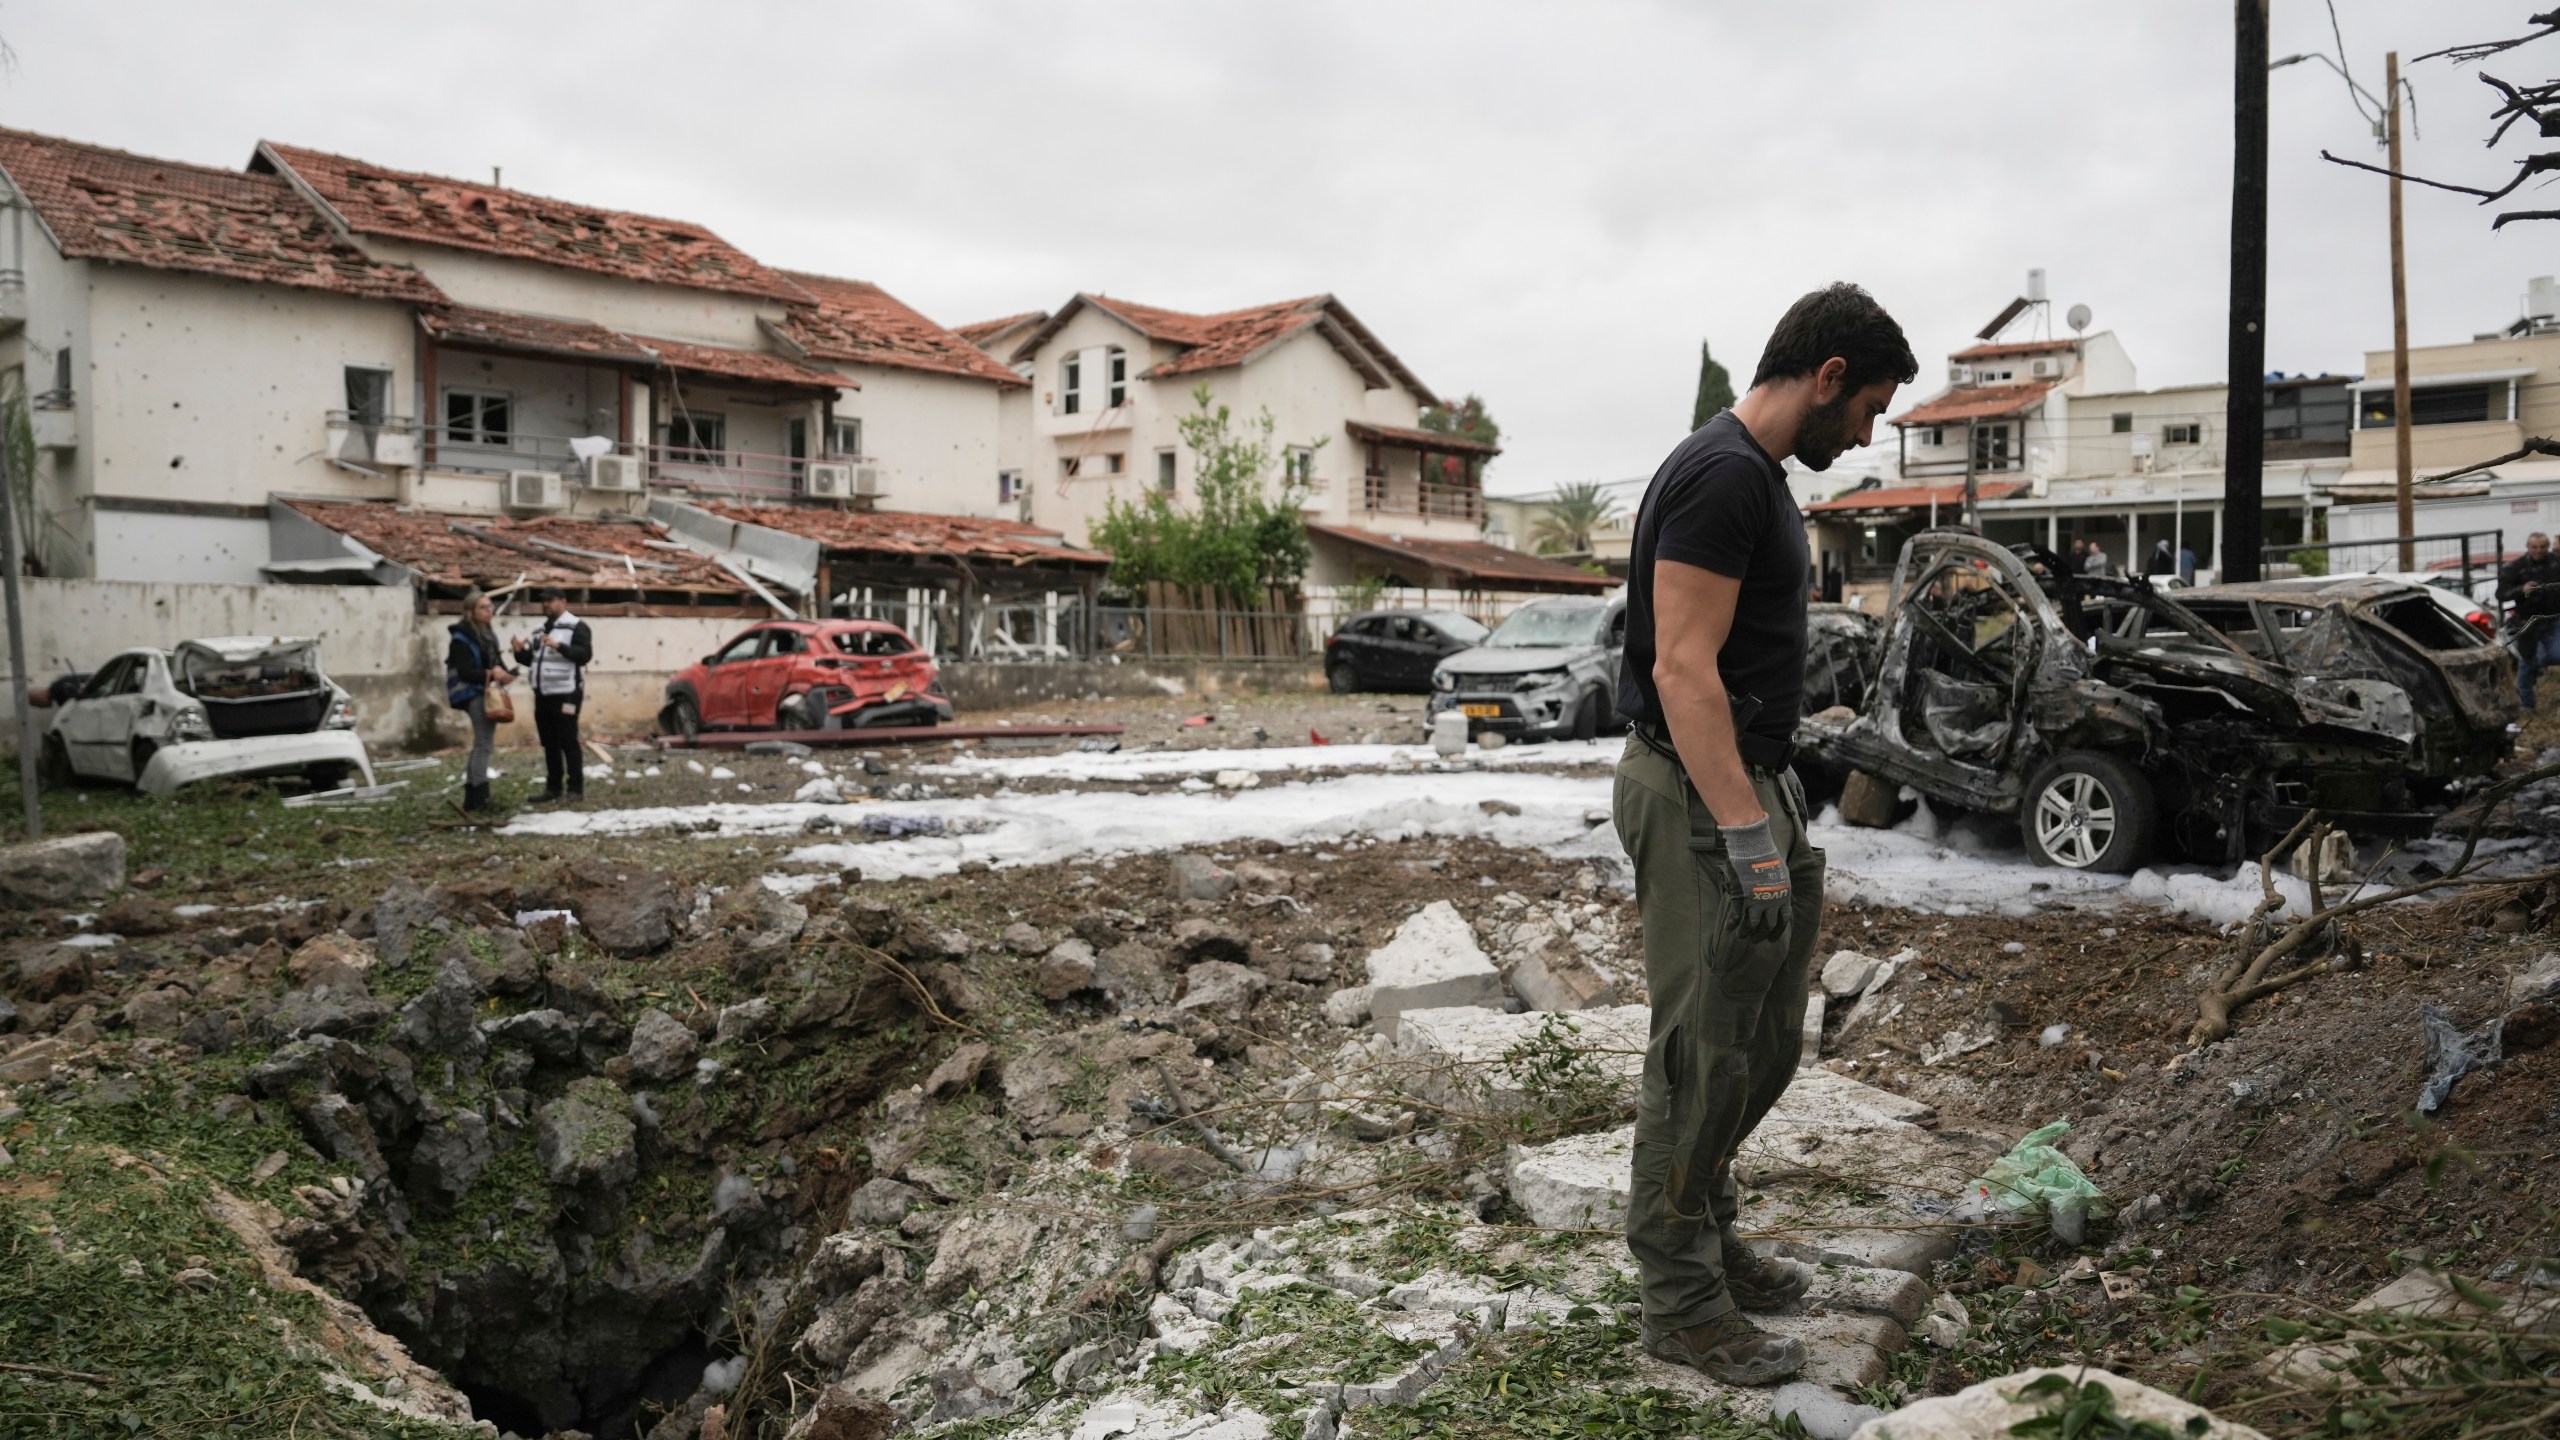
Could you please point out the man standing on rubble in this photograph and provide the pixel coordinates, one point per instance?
(2529, 585)
(1729, 888)
(555, 659)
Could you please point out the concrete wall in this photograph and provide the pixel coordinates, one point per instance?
(987, 685)
(637, 307)
(373, 641)
(2096, 448)
(2447, 447)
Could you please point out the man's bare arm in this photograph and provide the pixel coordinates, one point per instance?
(1692, 614)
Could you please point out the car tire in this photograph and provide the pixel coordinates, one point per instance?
(143, 750)
(326, 777)
(1343, 679)
(1587, 714)
(684, 719)
(2087, 811)
(793, 714)
(53, 765)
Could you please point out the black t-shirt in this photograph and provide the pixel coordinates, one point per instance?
(1720, 503)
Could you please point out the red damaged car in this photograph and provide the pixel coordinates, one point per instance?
(808, 675)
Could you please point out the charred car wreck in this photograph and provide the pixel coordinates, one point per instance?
(2112, 721)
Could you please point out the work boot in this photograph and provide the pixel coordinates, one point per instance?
(475, 798)
(1728, 1349)
(1761, 1282)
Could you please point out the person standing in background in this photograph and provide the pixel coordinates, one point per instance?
(555, 658)
(471, 671)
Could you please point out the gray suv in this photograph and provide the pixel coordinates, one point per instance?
(1549, 672)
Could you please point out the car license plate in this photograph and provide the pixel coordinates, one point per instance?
(1481, 712)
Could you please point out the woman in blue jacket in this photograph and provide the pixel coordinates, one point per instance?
(472, 666)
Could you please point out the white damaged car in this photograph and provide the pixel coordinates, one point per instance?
(234, 705)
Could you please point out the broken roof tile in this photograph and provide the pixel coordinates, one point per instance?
(1977, 402)
(758, 366)
(1232, 337)
(532, 335)
(1471, 562)
(434, 210)
(897, 532)
(102, 204)
(857, 322)
(445, 550)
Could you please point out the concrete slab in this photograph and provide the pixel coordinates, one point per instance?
(1991, 1408)
(1577, 1183)
(1811, 1053)
(1433, 962)
(1466, 1046)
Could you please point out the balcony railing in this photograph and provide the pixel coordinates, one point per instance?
(1394, 495)
(720, 472)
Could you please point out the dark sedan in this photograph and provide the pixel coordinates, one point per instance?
(1396, 649)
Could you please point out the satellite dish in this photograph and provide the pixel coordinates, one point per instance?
(2078, 317)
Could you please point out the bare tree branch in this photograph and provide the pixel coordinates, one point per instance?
(2534, 446)
(2526, 169)
(2466, 54)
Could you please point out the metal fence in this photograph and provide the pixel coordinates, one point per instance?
(2474, 554)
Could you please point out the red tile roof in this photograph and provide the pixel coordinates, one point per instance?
(1915, 497)
(1407, 438)
(979, 332)
(1997, 349)
(433, 210)
(532, 335)
(757, 366)
(442, 549)
(892, 532)
(857, 322)
(102, 204)
(1232, 337)
(1471, 562)
(1978, 402)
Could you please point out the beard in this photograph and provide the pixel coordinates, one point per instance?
(1824, 435)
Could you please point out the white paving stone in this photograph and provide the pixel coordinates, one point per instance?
(1433, 962)
(1577, 1183)
(1989, 1409)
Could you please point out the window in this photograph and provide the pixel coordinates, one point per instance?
(117, 677)
(478, 417)
(2120, 423)
(742, 648)
(785, 642)
(368, 394)
(2439, 405)
(1991, 447)
(1067, 467)
(1008, 486)
(61, 393)
(1114, 463)
(698, 439)
(1071, 384)
(846, 437)
(1164, 471)
(2190, 433)
(1934, 435)
(1119, 377)
(1302, 465)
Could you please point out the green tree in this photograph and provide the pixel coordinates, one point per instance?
(1468, 419)
(1578, 510)
(1715, 388)
(1237, 538)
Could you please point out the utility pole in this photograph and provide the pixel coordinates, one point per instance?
(18, 676)
(2399, 323)
(2244, 433)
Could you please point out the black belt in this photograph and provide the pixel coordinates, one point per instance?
(1757, 751)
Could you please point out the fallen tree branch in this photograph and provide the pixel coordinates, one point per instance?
(58, 1374)
(1208, 1136)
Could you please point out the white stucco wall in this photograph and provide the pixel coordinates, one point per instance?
(57, 300)
(934, 437)
(498, 283)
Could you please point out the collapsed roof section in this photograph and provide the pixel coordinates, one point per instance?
(632, 563)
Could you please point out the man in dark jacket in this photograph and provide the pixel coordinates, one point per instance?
(2529, 585)
(555, 659)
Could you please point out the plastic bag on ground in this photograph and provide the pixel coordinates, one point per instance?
(2452, 1054)
(2033, 1177)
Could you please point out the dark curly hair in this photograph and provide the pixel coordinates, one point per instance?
(1840, 320)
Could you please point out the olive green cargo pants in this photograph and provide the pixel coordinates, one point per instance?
(1727, 1021)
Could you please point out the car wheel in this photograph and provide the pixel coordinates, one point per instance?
(796, 713)
(1343, 679)
(684, 719)
(2087, 811)
(1586, 716)
(142, 753)
(53, 765)
(327, 777)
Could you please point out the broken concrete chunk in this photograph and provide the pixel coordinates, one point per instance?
(1811, 1050)
(1846, 975)
(585, 1138)
(449, 1156)
(547, 1034)
(1868, 801)
(1823, 1414)
(1066, 969)
(443, 1020)
(1348, 1005)
(51, 973)
(1220, 988)
(1130, 973)
(1023, 939)
(744, 1022)
(1196, 877)
(1197, 939)
(959, 1070)
(64, 870)
(662, 1049)
(1577, 1183)
(1993, 1408)
(881, 1201)
(1433, 962)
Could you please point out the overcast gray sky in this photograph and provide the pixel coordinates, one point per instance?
(1546, 204)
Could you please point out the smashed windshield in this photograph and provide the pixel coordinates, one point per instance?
(1541, 626)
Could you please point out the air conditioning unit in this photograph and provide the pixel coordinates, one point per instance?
(1959, 374)
(617, 473)
(2045, 369)
(533, 490)
(866, 483)
(829, 482)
